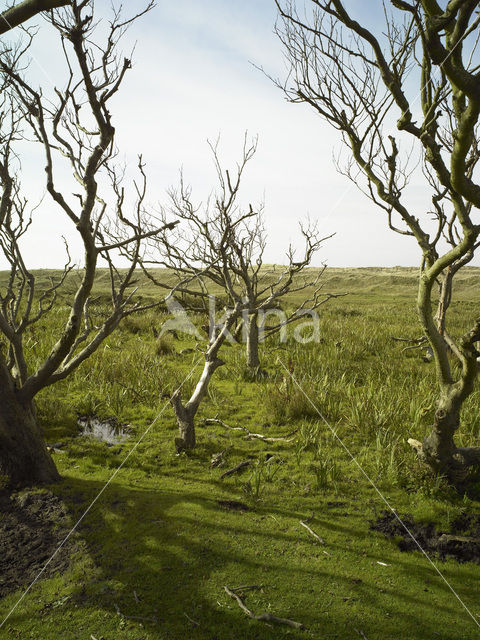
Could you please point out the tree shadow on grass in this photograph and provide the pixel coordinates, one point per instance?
(162, 557)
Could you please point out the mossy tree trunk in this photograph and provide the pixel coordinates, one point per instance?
(325, 74)
(24, 458)
(185, 413)
(253, 361)
(438, 449)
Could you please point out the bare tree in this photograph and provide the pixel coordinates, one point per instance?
(264, 288)
(218, 249)
(74, 128)
(361, 85)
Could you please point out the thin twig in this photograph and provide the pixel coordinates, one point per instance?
(315, 535)
(247, 587)
(141, 618)
(239, 467)
(194, 622)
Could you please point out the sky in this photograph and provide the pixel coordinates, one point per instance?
(195, 78)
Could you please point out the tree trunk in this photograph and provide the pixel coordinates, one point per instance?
(438, 449)
(186, 427)
(253, 361)
(185, 413)
(24, 459)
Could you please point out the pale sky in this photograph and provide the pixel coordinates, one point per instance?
(192, 80)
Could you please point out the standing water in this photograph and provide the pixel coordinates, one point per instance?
(109, 430)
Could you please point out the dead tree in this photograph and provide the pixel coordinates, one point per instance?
(74, 129)
(218, 249)
(239, 271)
(357, 82)
(263, 289)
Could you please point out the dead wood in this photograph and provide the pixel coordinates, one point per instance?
(264, 617)
(315, 535)
(239, 467)
(250, 435)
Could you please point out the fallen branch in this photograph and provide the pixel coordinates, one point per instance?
(414, 346)
(249, 434)
(415, 343)
(264, 617)
(247, 587)
(239, 467)
(259, 436)
(54, 449)
(410, 340)
(316, 536)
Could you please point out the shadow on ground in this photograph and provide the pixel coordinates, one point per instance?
(162, 558)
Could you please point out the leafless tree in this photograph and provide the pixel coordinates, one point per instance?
(362, 84)
(264, 288)
(217, 249)
(74, 129)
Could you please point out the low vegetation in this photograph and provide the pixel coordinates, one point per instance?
(153, 555)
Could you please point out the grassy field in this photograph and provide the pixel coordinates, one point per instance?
(163, 539)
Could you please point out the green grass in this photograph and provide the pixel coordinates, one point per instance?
(159, 531)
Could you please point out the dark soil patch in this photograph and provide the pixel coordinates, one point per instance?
(461, 543)
(32, 526)
(233, 505)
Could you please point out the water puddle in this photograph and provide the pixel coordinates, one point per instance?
(110, 430)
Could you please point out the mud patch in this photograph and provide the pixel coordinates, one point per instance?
(233, 505)
(462, 542)
(32, 525)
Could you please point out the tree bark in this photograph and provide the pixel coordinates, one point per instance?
(24, 459)
(186, 427)
(23, 11)
(185, 413)
(438, 449)
(253, 361)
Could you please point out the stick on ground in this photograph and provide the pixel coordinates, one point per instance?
(264, 617)
(316, 536)
(239, 467)
(249, 434)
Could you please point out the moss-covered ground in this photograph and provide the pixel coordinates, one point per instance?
(159, 544)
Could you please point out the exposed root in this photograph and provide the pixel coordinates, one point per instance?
(464, 461)
(415, 444)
